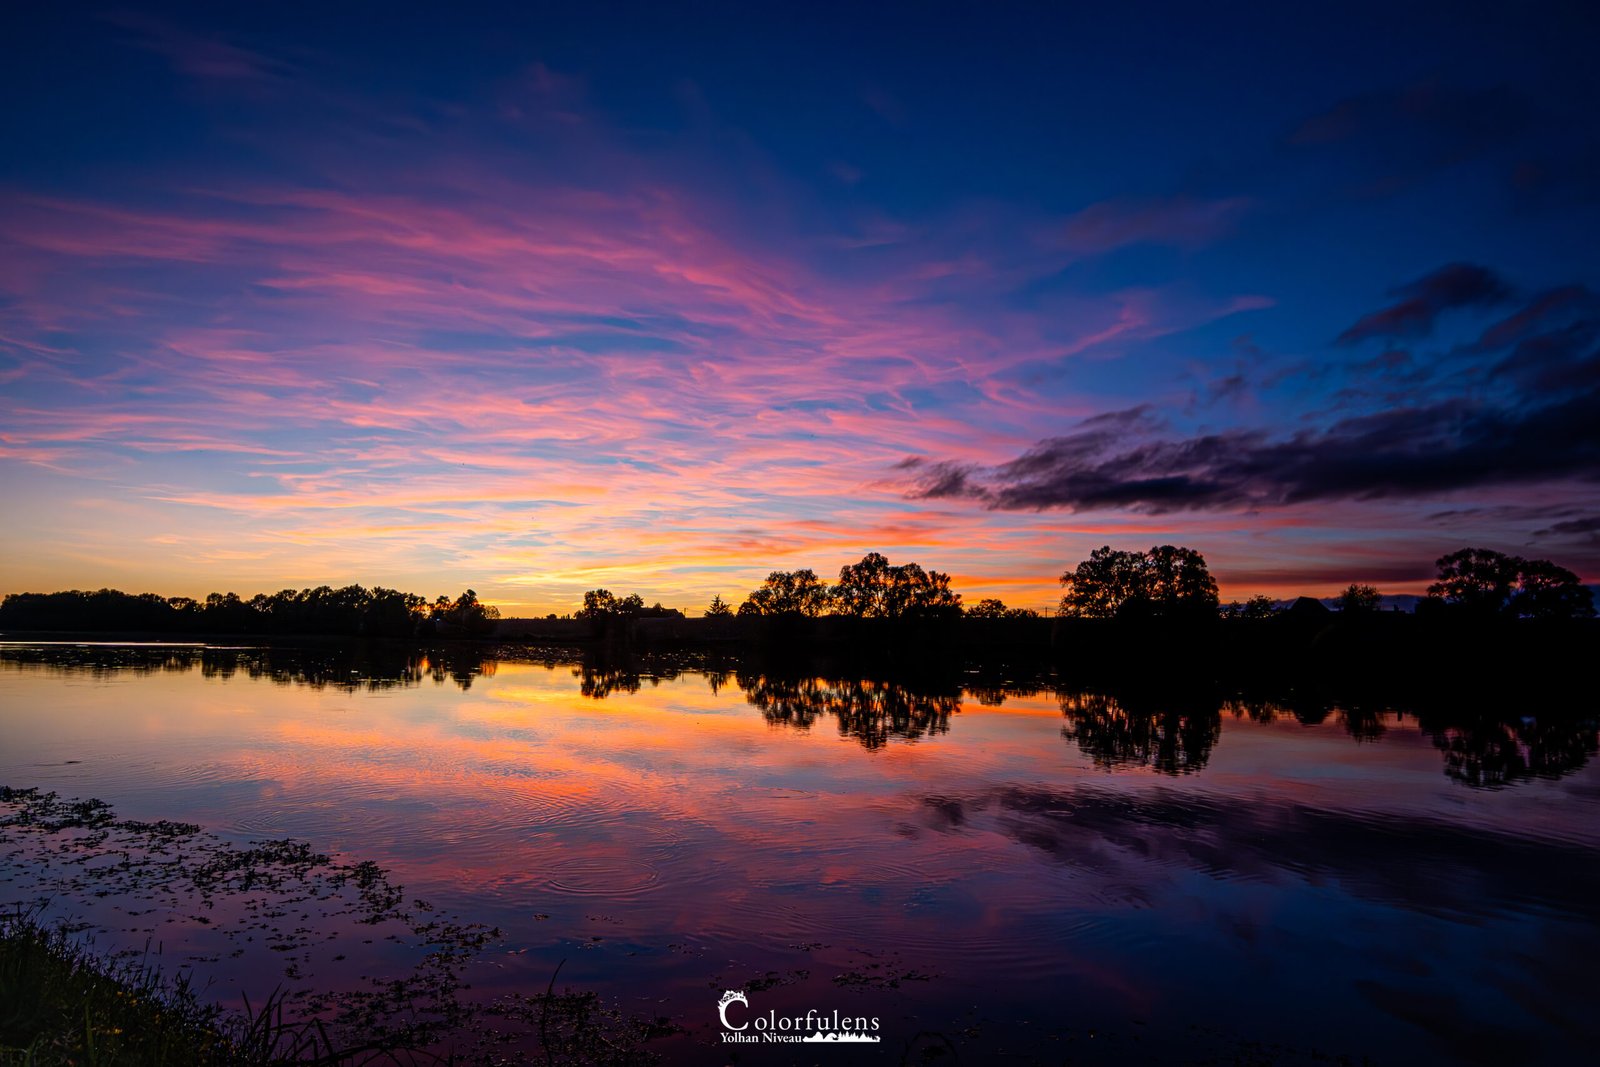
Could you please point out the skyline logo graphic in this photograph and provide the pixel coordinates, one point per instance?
(814, 1027)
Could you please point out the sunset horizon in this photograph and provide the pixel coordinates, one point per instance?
(660, 306)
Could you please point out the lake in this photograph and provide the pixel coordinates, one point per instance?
(1002, 872)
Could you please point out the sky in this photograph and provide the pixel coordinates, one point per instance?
(543, 298)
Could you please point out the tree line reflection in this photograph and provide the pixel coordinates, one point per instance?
(1172, 736)
(868, 711)
(1166, 731)
(362, 668)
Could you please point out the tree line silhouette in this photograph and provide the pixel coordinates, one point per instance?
(349, 611)
(871, 589)
(1172, 581)
(1166, 583)
(1491, 584)
(603, 604)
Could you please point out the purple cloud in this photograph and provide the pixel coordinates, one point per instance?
(1456, 285)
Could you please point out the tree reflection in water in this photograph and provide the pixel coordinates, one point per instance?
(361, 667)
(1176, 734)
(870, 711)
(1168, 732)
(1493, 752)
(1170, 735)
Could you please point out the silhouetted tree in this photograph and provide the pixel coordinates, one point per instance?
(987, 608)
(1480, 581)
(185, 612)
(718, 608)
(1546, 591)
(391, 613)
(788, 593)
(863, 588)
(226, 613)
(350, 610)
(1476, 580)
(1101, 584)
(875, 589)
(916, 592)
(597, 604)
(1178, 579)
(1166, 580)
(1359, 599)
(467, 613)
(602, 604)
(1257, 607)
(104, 609)
(992, 608)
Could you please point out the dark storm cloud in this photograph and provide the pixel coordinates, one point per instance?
(1538, 420)
(1456, 285)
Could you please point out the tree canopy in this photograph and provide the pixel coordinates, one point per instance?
(993, 608)
(1166, 580)
(1259, 606)
(351, 609)
(1359, 599)
(602, 604)
(788, 593)
(876, 589)
(1483, 582)
(871, 589)
(465, 612)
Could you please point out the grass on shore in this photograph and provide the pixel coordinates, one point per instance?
(60, 1004)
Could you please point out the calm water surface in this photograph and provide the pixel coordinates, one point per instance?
(1041, 875)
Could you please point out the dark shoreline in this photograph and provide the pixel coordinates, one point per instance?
(1390, 658)
(1368, 642)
